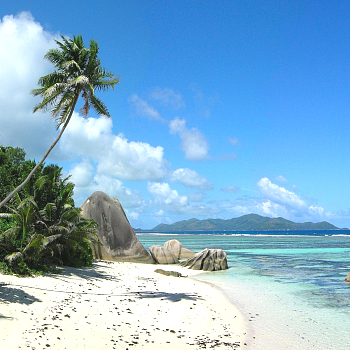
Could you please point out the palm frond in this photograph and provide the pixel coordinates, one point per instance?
(13, 257)
(72, 65)
(35, 243)
(105, 85)
(48, 240)
(99, 106)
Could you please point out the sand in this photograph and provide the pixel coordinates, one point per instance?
(117, 305)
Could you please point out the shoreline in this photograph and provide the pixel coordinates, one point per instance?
(117, 305)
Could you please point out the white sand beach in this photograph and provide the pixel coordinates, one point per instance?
(117, 305)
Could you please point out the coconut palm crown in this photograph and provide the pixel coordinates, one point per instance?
(78, 73)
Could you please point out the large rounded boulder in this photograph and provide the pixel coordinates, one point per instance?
(177, 249)
(118, 240)
(162, 255)
(207, 260)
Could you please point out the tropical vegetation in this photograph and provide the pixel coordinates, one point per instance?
(40, 227)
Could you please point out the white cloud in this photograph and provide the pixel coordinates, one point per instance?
(280, 194)
(143, 109)
(23, 44)
(81, 174)
(193, 142)
(87, 182)
(114, 154)
(191, 178)
(317, 210)
(167, 198)
(281, 178)
(163, 194)
(134, 215)
(281, 202)
(270, 208)
(230, 189)
(170, 200)
(168, 97)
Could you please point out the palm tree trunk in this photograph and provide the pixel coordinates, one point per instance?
(18, 188)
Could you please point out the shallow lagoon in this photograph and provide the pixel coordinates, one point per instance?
(290, 286)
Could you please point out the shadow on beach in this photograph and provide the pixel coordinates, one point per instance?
(13, 293)
(174, 297)
(86, 273)
(9, 294)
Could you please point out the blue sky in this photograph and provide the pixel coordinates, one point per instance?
(223, 108)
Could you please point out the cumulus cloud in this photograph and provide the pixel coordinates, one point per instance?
(87, 182)
(23, 44)
(168, 97)
(272, 209)
(281, 202)
(280, 195)
(81, 174)
(164, 195)
(169, 200)
(113, 154)
(191, 178)
(143, 109)
(193, 142)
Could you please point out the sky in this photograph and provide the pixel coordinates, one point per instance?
(224, 108)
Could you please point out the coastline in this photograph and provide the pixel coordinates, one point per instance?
(117, 305)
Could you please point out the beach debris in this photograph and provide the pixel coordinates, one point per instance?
(169, 273)
(207, 260)
(162, 255)
(178, 250)
(118, 241)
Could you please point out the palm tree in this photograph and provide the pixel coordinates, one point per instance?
(53, 234)
(20, 237)
(78, 74)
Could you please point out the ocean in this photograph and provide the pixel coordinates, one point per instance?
(289, 285)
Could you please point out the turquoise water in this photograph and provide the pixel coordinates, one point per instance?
(290, 288)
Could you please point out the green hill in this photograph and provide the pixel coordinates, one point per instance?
(250, 222)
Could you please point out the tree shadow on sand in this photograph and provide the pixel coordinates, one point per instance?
(174, 297)
(9, 294)
(87, 273)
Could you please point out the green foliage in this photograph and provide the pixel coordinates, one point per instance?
(13, 169)
(78, 72)
(41, 226)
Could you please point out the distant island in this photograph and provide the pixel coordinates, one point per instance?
(250, 222)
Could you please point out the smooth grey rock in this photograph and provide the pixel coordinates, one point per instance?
(178, 249)
(162, 255)
(208, 260)
(169, 273)
(347, 278)
(118, 240)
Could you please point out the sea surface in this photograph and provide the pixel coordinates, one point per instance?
(289, 285)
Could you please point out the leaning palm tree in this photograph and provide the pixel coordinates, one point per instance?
(78, 74)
